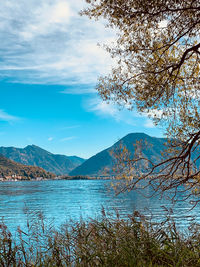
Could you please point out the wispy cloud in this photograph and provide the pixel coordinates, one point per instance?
(7, 117)
(70, 127)
(131, 117)
(68, 138)
(48, 42)
(78, 91)
(149, 124)
(102, 108)
(50, 139)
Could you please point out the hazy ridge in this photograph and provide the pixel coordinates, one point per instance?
(36, 156)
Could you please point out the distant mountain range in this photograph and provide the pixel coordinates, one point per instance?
(36, 156)
(97, 164)
(12, 170)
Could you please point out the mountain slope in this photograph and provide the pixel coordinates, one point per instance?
(97, 164)
(36, 156)
(10, 169)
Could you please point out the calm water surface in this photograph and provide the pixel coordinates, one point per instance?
(63, 200)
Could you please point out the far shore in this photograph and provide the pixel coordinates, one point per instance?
(63, 177)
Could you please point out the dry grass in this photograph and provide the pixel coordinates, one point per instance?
(105, 242)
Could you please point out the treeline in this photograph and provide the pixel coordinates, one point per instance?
(9, 168)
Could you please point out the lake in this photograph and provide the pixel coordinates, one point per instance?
(62, 200)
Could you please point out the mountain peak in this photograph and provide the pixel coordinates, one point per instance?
(37, 156)
(138, 135)
(97, 164)
(32, 146)
(36, 148)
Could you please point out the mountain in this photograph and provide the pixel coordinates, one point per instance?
(97, 164)
(36, 156)
(13, 170)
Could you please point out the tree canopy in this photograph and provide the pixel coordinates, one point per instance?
(157, 71)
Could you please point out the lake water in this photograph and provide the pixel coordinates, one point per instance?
(63, 200)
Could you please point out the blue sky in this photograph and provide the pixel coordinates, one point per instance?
(49, 64)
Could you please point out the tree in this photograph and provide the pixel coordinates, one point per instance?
(157, 72)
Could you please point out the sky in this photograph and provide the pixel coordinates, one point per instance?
(50, 60)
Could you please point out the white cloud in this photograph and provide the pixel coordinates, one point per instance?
(149, 124)
(68, 138)
(78, 91)
(70, 127)
(60, 12)
(131, 117)
(7, 117)
(101, 108)
(47, 41)
(50, 139)
(46, 18)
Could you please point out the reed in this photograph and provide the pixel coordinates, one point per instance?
(108, 241)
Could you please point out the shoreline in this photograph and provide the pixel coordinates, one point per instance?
(67, 178)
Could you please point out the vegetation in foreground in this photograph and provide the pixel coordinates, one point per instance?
(104, 242)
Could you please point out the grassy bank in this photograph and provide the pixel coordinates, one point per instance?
(104, 242)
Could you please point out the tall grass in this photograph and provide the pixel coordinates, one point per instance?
(103, 242)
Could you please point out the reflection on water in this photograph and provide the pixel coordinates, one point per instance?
(64, 200)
